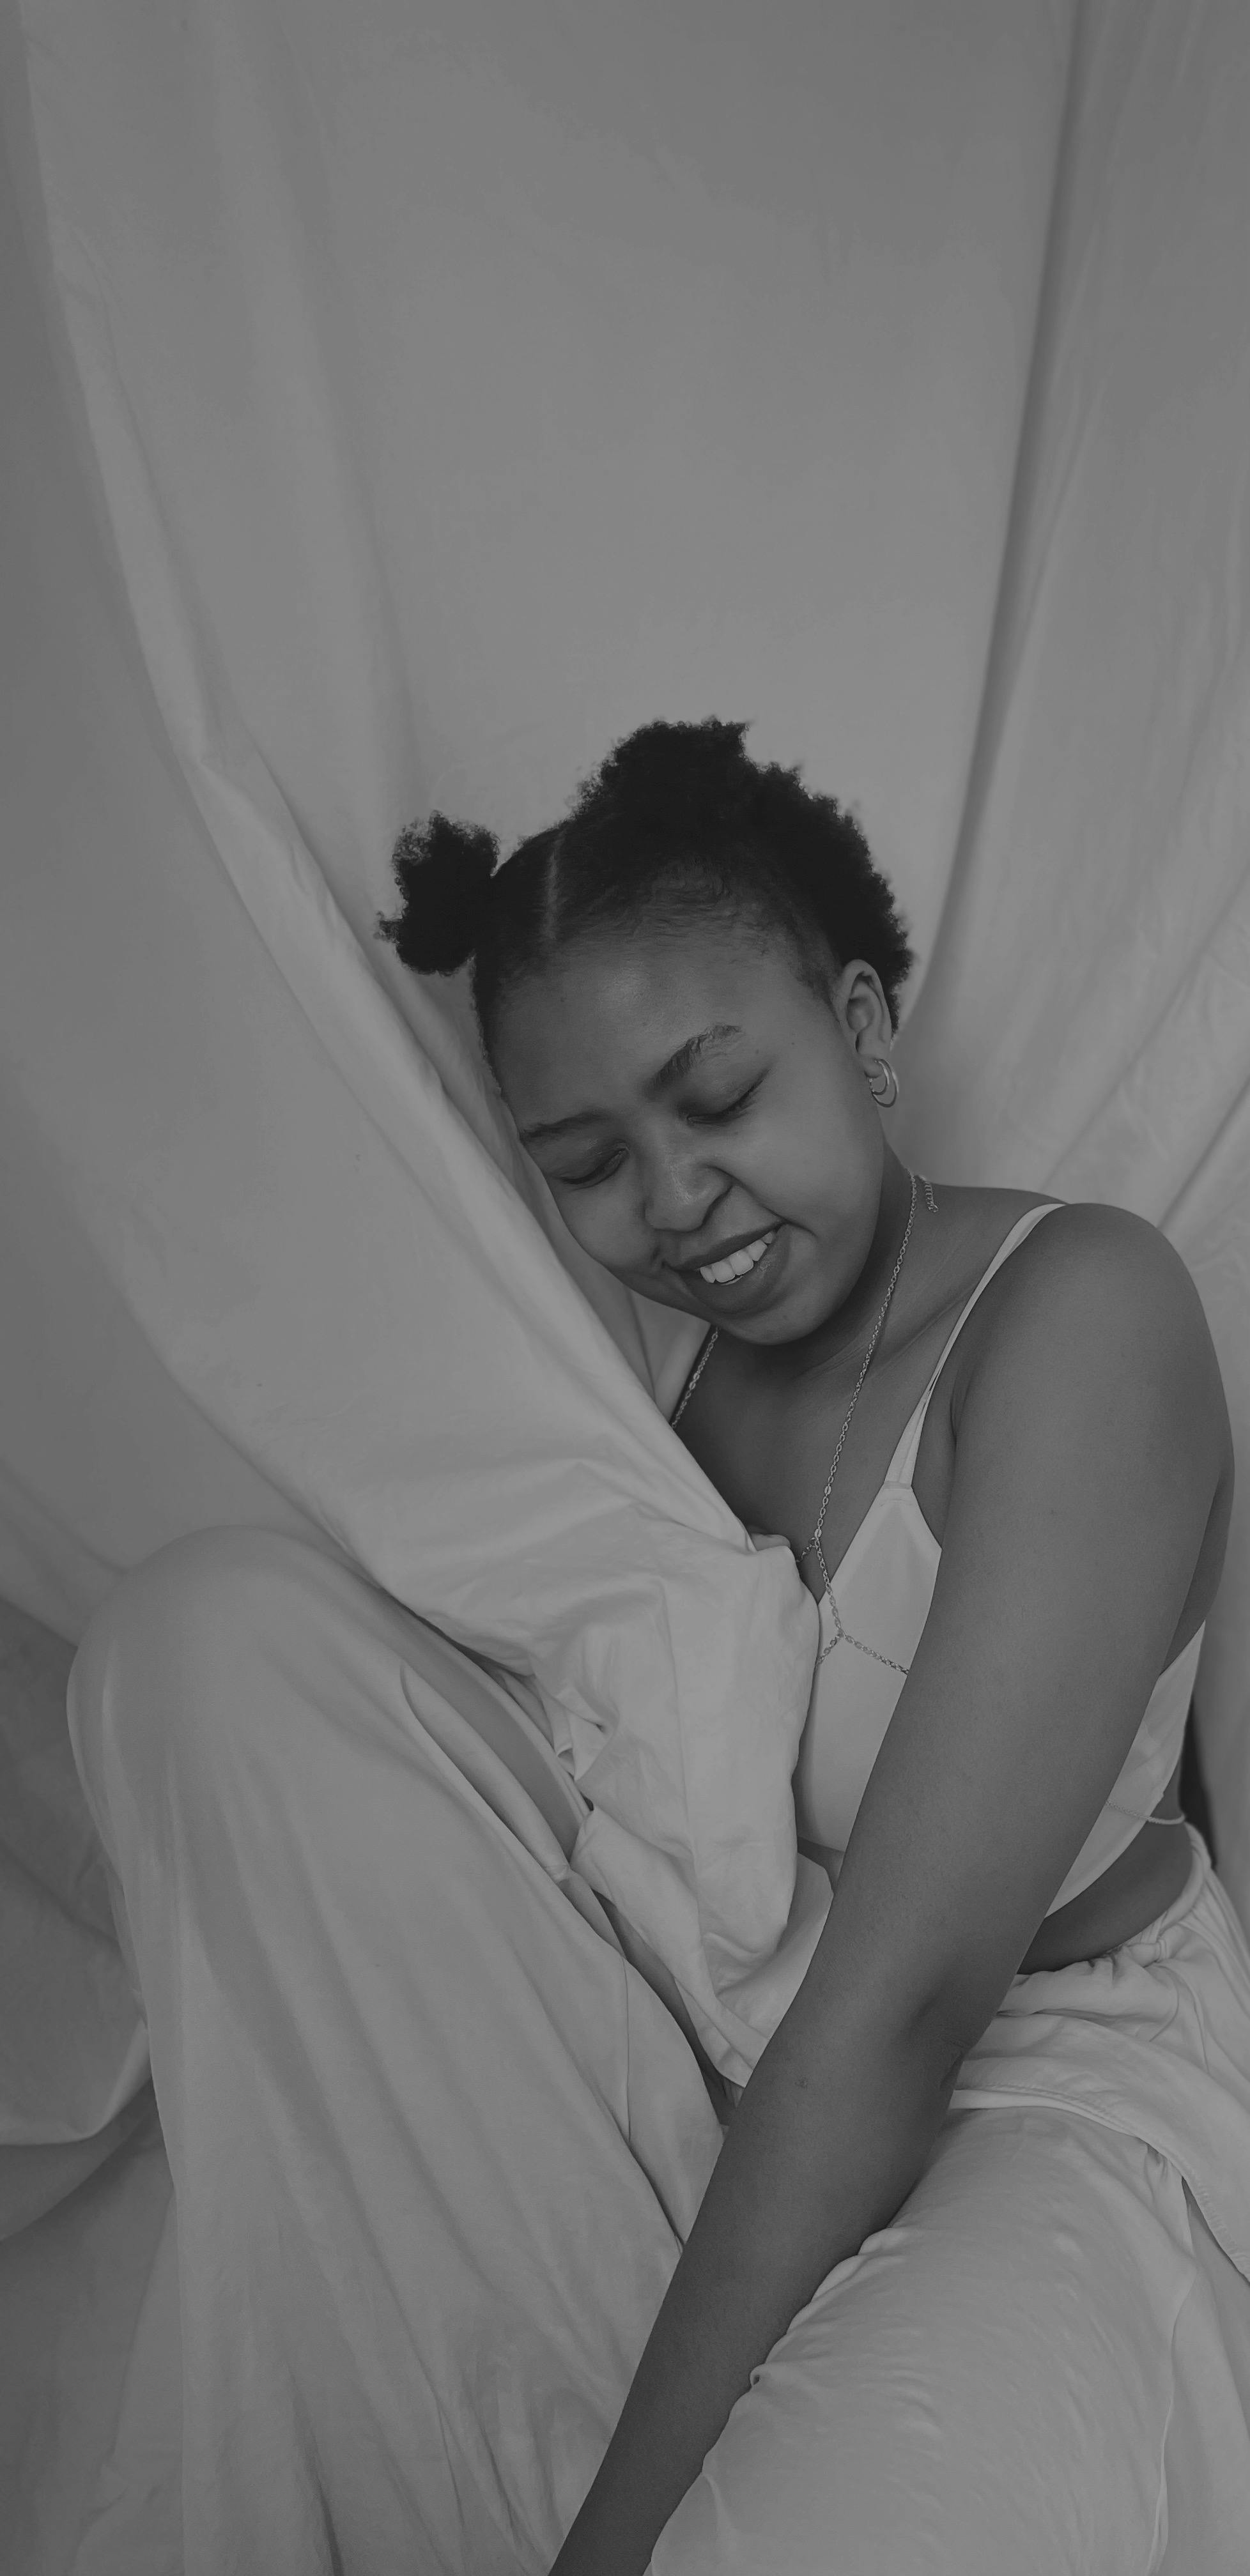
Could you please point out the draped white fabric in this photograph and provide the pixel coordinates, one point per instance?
(403, 404)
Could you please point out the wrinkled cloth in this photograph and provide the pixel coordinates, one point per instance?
(965, 330)
(436, 2144)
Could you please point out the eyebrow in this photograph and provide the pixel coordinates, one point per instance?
(721, 1033)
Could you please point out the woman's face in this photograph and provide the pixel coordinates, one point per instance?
(683, 1094)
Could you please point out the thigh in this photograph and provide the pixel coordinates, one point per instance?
(985, 2387)
(435, 2143)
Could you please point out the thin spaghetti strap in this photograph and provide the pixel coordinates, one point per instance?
(902, 1465)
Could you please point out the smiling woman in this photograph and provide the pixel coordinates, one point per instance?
(992, 1431)
(667, 963)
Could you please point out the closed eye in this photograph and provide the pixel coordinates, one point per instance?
(711, 1117)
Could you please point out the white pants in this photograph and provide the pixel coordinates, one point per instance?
(436, 2144)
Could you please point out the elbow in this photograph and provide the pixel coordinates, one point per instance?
(920, 2045)
(906, 2063)
(872, 2042)
(938, 2035)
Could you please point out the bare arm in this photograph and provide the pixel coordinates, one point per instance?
(1089, 1449)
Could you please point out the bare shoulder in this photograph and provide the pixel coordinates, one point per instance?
(1088, 1254)
(1098, 1298)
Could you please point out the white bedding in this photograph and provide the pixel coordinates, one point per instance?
(436, 2148)
(85, 2199)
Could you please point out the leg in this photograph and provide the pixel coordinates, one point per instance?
(988, 2386)
(434, 2143)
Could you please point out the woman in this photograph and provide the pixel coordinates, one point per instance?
(694, 1057)
(964, 2288)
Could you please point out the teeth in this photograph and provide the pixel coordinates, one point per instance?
(736, 1264)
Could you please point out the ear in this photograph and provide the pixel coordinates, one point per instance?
(864, 1010)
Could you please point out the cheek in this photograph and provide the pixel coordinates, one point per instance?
(820, 1152)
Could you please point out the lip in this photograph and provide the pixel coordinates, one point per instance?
(721, 1251)
(719, 1290)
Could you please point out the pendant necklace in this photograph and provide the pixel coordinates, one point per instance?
(841, 1635)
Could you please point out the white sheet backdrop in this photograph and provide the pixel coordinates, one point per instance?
(407, 401)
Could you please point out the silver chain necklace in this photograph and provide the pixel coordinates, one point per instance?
(841, 1635)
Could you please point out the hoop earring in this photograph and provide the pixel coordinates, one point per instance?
(885, 1098)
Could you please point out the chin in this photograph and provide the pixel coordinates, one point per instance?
(773, 1326)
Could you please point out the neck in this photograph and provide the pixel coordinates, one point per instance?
(839, 1342)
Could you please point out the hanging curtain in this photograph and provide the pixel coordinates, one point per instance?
(409, 402)
(1084, 1022)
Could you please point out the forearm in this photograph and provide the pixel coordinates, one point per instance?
(818, 2154)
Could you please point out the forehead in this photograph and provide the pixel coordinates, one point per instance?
(599, 1024)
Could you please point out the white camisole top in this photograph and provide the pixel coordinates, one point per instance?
(882, 1590)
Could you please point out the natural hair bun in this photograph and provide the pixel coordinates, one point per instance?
(666, 772)
(678, 828)
(443, 871)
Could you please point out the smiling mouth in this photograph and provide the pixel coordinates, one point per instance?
(723, 1277)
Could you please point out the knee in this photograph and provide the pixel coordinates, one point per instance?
(157, 1668)
(185, 1594)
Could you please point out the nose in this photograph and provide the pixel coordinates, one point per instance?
(677, 1199)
